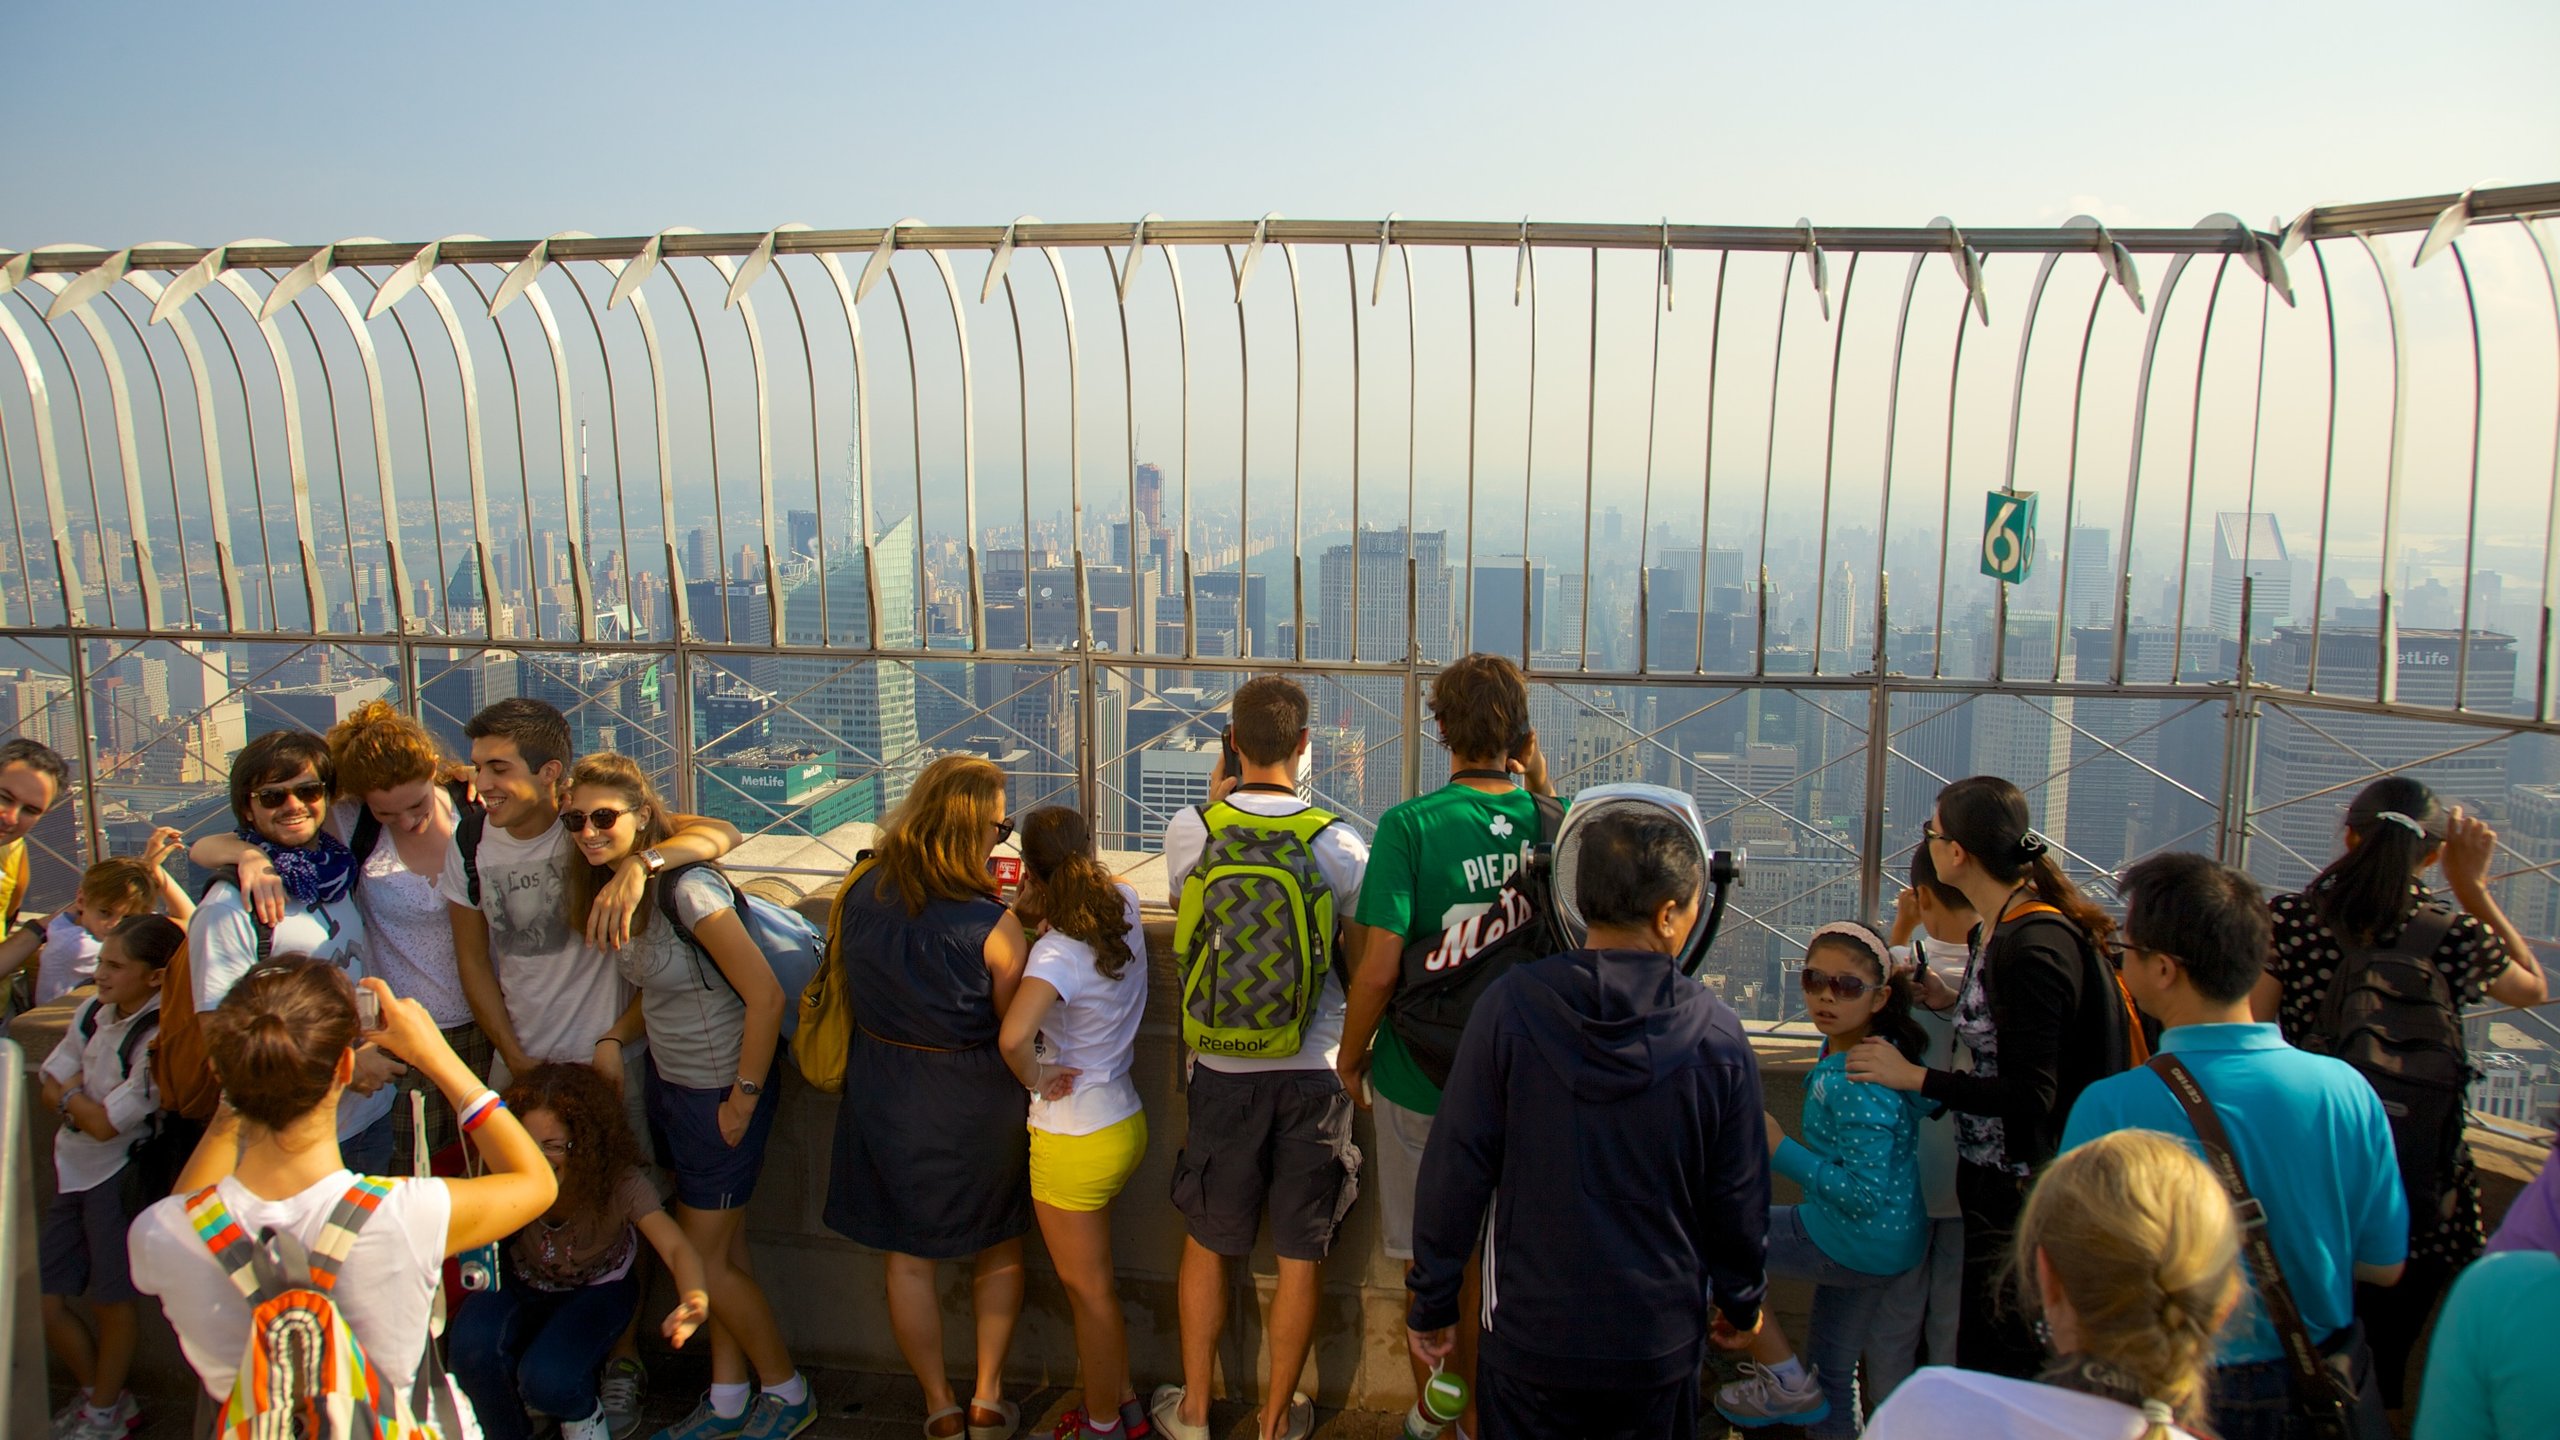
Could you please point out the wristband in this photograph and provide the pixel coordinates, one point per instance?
(480, 1109)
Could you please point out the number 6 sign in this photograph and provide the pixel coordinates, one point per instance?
(2009, 535)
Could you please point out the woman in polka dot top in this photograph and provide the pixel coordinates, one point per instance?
(2395, 830)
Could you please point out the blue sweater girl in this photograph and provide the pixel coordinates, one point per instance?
(1863, 1221)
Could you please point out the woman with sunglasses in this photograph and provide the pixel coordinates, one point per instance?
(932, 1155)
(280, 788)
(1862, 1224)
(712, 1012)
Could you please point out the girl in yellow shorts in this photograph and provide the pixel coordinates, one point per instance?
(1069, 1036)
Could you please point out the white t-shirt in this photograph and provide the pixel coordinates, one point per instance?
(68, 960)
(412, 941)
(1343, 857)
(222, 946)
(384, 1289)
(1939, 1403)
(561, 995)
(82, 1161)
(1093, 1028)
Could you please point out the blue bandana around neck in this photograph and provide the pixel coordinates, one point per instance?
(314, 875)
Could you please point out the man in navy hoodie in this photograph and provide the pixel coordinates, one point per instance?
(1606, 1110)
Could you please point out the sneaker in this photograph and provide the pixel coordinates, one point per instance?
(1134, 1422)
(1759, 1398)
(1165, 1408)
(594, 1427)
(706, 1424)
(113, 1424)
(68, 1416)
(773, 1418)
(624, 1386)
(1077, 1425)
(1301, 1421)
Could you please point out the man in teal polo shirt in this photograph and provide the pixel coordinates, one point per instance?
(2309, 1133)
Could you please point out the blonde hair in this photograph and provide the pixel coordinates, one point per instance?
(128, 883)
(623, 776)
(933, 846)
(378, 748)
(2144, 1243)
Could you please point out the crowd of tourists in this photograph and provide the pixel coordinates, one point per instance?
(400, 1119)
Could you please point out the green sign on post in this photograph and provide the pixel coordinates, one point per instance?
(2009, 535)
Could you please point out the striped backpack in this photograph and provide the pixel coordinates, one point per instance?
(304, 1375)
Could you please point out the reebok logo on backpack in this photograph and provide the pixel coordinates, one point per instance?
(1255, 933)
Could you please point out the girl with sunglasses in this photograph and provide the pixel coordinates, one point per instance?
(1862, 1224)
(711, 1010)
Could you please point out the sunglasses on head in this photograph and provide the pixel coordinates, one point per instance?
(309, 792)
(604, 816)
(1846, 987)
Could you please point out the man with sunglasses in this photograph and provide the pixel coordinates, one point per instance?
(2308, 1132)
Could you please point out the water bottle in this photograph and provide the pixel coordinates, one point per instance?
(1444, 1399)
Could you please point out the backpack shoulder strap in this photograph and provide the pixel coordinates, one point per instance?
(87, 1024)
(2425, 932)
(366, 835)
(346, 1220)
(232, 1247)
(468, 825)
(2313, 1388)
(145, 1025)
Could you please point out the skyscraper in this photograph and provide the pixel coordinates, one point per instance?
(2250, 544)
(1381, 620)
(801, 526)
(1497, 591)
(865, 710)
(2092, 583)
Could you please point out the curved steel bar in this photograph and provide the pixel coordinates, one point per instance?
(1707, 457)
(1467, 600)
(711, 419)
(335, 290)
(2471, 507)
(572, 489)
(2387, 628)
(17, 520)
(524, 471)
(845, 298)
(88, 459)
(1182, 339)
(1590, 451)
(2133, 466)
(1075, 472)
(1524, 279)
(1644, 509)
(1351, 301)
(2062, 616)
(208, 434)
(1122, 275)
(1244, 455)
(1022, 418)
(1830, 430)
(337, 460)
(2328, 464)
(475, 462)
(257, 470)
(1768, 471)
(48, 467)
(128, 453)
(440, 591)
(817, 465)
(168, 444)
(680, 616)
(969, 450)
(746, 307)
(2009, 465)
(1884, 499)
(1412, 579)
(1298, 464)
(2546, 685)
(613, 444)
(915, 434)
(1965, 302)
(2195, 437)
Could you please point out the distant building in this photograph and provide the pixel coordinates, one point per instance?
(782, 791)
(1381, 598)
(1499, 589)
(1171, 776)
(2250, 545)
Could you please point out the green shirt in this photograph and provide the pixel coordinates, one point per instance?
(1438, 859)
(2489, 1374)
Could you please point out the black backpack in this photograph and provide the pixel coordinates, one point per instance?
(2391, 1014)
(469, 820)
(1440, 975)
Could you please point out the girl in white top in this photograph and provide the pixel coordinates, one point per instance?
(283, 1042)
(2131, 1257)
(1070, 1035)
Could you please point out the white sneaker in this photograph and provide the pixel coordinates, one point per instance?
(594, 1427)
(1759, 1398)
(1166, 1409)
(1301, 1422)
(114, 1424)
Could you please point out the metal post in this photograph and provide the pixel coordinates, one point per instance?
(1879, 757)
(680, 661)
(88, 749)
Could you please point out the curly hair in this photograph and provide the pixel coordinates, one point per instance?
(1481, 703)
(378, 748)
(1073, 891)
(601, 1150)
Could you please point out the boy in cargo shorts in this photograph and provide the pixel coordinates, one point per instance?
(1272, 1132)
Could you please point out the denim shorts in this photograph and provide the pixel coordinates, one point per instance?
(684, 1129)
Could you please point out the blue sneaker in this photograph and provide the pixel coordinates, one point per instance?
(773, 1418)
(704, 1424)
(1759, 1399)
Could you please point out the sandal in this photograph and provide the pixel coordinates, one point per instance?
(1003, 1429)
(943, 1414)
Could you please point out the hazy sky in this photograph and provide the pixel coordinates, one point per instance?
(311, 122)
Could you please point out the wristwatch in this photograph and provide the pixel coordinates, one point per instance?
(749, 1087)
(653, 860)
